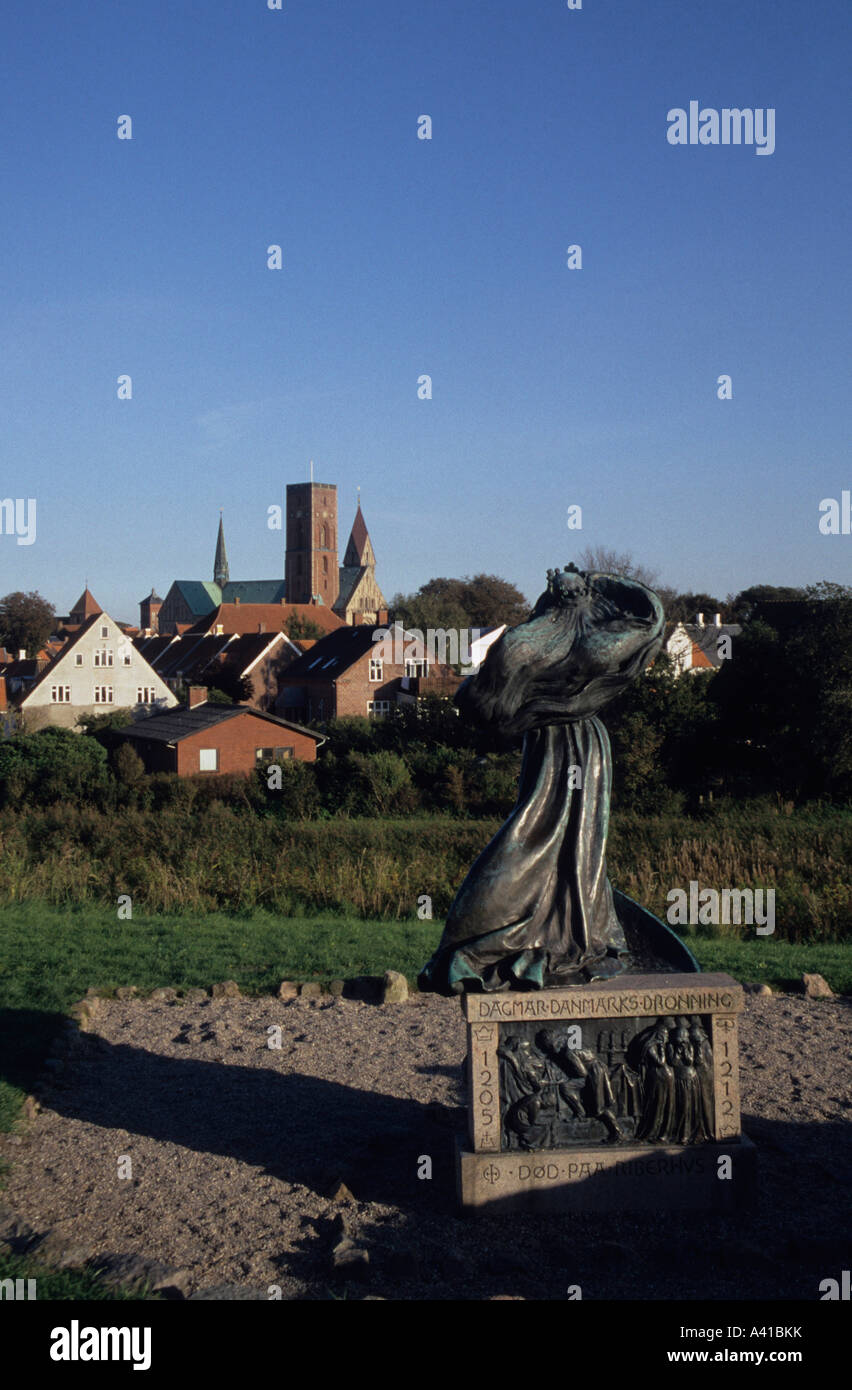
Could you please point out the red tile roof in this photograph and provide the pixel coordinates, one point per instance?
(242, 618)
(86, 606)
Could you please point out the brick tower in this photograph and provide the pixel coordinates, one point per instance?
(310, 566)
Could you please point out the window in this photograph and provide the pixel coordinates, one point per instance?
(208, 760)
(126, 658)
(104, 632)
(376, 665)
(103, 656)
(145, 694)
(415, 667)
(78, 658)
(103, 694)
(273, 755)
(377, 709)
(60, 694)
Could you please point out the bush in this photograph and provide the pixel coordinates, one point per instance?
(51, 765)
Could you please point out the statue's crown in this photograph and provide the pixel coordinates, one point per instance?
(563, 585)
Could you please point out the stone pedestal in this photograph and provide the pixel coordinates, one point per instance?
(619, 1095)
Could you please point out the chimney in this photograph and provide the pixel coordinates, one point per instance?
(718, 620)
(196, 695)
(700, 619)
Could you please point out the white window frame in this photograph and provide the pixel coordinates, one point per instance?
(417, 666)
(378, 709)
(104, 695)
(208, 752)
(103, 657)
(60, 694)
(104, 632)
(376, 664)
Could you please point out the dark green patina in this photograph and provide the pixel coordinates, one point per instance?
(536, 909)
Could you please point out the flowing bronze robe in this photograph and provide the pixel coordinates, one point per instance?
(536, 907)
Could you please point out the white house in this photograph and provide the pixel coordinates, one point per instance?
(701, 646)
(97, 670)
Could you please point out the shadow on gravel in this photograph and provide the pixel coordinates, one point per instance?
(317, 1133)
(298, 1128)
(26, 1036)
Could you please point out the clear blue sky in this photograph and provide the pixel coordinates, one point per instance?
(402, 257)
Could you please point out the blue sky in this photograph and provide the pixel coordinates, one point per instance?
(551, 387)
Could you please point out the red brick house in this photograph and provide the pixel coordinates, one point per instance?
(200, 737)
(345, 673)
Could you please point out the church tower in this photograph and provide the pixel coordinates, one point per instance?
(149, 612)
(220, 564)
(360, 599)
(310, 564)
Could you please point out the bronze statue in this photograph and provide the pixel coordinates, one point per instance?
(536, 909)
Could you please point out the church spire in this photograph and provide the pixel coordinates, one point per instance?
(359, 551)
(220, 564)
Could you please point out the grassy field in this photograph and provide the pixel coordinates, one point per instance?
(216, 857)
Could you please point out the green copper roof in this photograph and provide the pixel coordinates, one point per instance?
(254, 591)
(199, 596)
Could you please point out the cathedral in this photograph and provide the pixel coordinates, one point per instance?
(312, 574)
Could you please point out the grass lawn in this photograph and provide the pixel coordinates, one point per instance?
(66, 1284)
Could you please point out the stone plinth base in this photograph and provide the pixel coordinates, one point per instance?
(617, 1177)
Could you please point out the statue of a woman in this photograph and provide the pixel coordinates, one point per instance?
(536, 907)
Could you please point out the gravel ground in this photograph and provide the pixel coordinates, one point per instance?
(236, 1148)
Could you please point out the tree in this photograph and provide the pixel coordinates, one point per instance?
(383, 781)
(300, 629)
(26, 622)
(663, 731)
(127, 766)
(96, 724)
(606, 561)
(481, 600)
(786, 696)
(743, 607)
(52, 765)
(684, 608)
